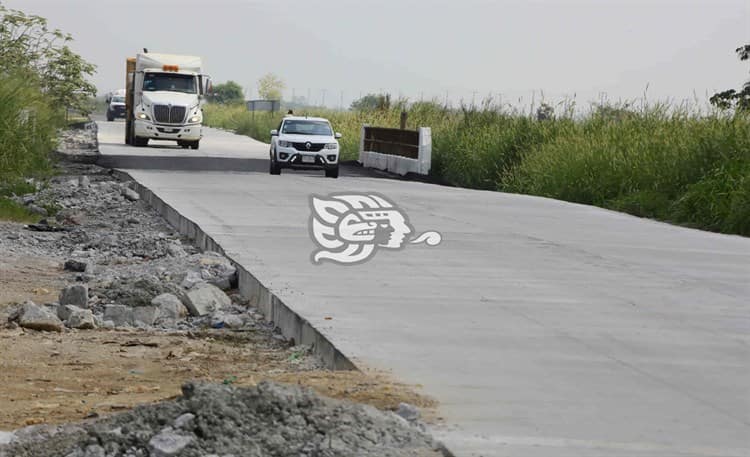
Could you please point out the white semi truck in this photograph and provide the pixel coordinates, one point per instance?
(164, 99)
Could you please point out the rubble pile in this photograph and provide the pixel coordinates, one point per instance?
(221, 420)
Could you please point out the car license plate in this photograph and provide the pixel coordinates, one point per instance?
(308, 159)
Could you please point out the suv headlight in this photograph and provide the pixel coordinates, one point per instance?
(332, 146)
(285, 144)
(143, 116)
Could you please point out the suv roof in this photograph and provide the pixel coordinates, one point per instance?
(304, 118)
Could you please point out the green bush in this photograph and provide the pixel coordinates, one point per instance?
(27, 128)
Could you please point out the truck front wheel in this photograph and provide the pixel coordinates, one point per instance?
(195, 144)
(140, 141)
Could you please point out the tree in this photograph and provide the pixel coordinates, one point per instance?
(372, 102)
(732, 98)
(270, 87)
(228, 93)
(29, 47)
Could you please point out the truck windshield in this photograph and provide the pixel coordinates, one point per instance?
(171, 82)
(307, 128)
(118, 99)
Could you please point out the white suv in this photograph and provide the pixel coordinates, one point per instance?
(305, 143)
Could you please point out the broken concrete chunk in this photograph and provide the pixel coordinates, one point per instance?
(170, 308)
(76, 295)
(83, 319)
(119, 315)
(168, 443)
(204, 299)
(75, 265)
(64, 312)
(35, 317)
(130, 194)
(145, 315)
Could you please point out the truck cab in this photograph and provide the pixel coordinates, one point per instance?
(165, 96)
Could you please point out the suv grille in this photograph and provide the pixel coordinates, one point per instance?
(169, 115)
(314, 147)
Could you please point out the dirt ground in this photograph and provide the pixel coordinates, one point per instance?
(63, 377)
(16, 272)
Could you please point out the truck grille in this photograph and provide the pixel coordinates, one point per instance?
(314, 147)
(169, 114)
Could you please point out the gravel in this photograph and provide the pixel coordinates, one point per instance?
(208, 419)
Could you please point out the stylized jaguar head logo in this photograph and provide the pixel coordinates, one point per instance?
(350, 228)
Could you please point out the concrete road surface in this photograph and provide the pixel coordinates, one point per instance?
(543, 328)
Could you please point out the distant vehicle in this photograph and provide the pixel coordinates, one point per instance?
(164, 99)
(305, 143)
(115, 105)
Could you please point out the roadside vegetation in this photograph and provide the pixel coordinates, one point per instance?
(41, 80)
(683, 166)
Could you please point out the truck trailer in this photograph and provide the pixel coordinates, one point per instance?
(164, 96)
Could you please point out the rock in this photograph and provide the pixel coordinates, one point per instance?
(130, 194)
(170, 309)
(408, 412)
(184, 421)
(108, 325)
(37, 318)
(119, 315)
(204, 299)
(145, 315)
(84, 182)
(64, 312)
(76, 295)
(176, 250)
(7, 437)
(82, 319)
(38, 210)
(191, 279)
(221, 320)
(75, 265)
(168, 443)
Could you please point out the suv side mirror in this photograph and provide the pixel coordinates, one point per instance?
(338, 135)
(274, 132)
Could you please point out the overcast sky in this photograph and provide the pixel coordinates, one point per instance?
(425, 48)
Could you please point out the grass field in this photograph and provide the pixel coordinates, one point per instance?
(687, 168)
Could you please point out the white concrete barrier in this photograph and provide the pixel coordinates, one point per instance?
(399, 164)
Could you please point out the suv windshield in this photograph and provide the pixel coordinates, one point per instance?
(171, 82)
(118, 99)
(307, 128)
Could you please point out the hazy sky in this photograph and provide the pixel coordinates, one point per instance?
(425, 48)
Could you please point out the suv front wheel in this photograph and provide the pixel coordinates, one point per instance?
(332, 172)
(274, 167)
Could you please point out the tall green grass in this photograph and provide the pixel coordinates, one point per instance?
(688, 168)
(27, 128)
(27, 136)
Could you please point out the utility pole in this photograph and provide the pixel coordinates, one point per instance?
(323, 98)
(341, 104)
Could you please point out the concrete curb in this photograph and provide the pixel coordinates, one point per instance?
(292, 325)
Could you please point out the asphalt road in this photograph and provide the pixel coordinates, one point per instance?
(544, 328)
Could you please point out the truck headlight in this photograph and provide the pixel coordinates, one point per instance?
(332, 146)
(143, 116)
(195, 119)
(285, 144)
